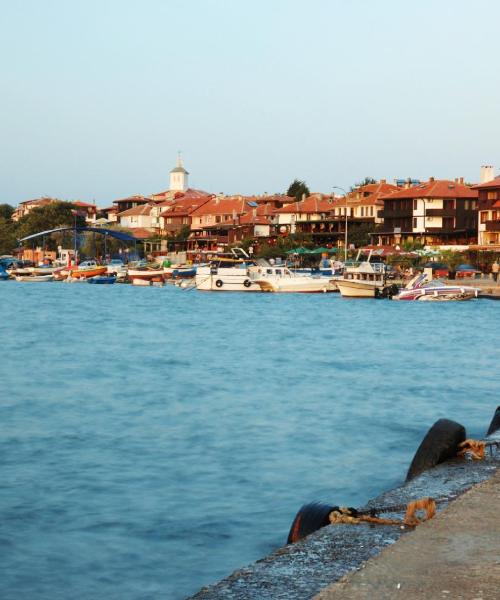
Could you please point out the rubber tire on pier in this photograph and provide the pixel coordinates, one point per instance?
(495, 422)
(247, 283)
(219, 283)
(440, 444)
(311, 517)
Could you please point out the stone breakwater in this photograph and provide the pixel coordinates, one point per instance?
(302, 570)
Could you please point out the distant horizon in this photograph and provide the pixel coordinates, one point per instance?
(99, 96)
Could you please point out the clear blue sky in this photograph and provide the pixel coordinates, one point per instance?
(98, 95)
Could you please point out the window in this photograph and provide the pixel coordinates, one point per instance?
(218, 219)
(414, 222)
(484, 216)
(415, 204)
(492, 195)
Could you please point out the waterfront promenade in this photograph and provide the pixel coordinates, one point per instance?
(455, 555)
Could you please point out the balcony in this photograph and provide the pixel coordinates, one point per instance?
(493, 225)
(440, 212)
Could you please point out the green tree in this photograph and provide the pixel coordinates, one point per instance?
(6, 211)
(297, 189)
(365, 181)
(8, 238)
(359, 235)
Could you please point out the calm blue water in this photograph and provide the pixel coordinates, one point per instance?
(152, 439)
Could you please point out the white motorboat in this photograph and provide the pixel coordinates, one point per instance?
(420, 288)
(281, 279)
(226, 274)
(362, 279)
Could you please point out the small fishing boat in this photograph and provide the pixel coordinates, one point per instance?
(420, 288)
(34, 278)
(88, 268)
(102, 279)
(3, 274)
(148, 273)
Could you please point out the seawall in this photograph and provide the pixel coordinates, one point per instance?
(306, 568)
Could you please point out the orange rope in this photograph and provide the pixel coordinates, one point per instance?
(473, 448)
(428, 505)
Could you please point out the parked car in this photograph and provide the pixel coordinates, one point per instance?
(466, 270)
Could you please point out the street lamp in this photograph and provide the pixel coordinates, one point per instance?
(337, 187)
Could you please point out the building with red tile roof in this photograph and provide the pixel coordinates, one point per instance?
(438, 211)
(489, 212)
(139, 217)
(225, 220)
(25, 207)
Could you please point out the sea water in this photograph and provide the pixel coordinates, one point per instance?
(152, 440)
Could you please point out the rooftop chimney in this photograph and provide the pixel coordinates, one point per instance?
(431, 179)
(383, 181)
(461, 180)
(487, 173)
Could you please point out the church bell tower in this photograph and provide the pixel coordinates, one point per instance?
(179, 177)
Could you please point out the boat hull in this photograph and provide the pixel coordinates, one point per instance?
(102, 279)
(35, 278)
(297, 285)
(225, 280)
(357, 289)
(86, 273)
(148, 275)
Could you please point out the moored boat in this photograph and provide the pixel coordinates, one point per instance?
(88, 268)
(34, 278)
(102, 279)
(226, 274)
(421, 289)
(281, 279)
(362, 279)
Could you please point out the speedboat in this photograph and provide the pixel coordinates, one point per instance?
(281, 279)
(362, 279)
(420, 288)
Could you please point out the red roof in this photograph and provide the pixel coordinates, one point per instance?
(222, 206)
(143, 209)
(140, 233)
(184, 206)
(488, 184)
(439, 188)
(83, 204)
(318, 203)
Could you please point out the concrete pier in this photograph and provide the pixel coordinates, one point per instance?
(461, 538)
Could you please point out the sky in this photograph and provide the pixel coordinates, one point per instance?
(98, 96)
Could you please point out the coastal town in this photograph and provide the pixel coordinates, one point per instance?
(449, 228)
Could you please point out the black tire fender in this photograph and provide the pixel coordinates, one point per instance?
(495, 422)
(440, 444)
(219, 283)
(247, 283)
(311, 517)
